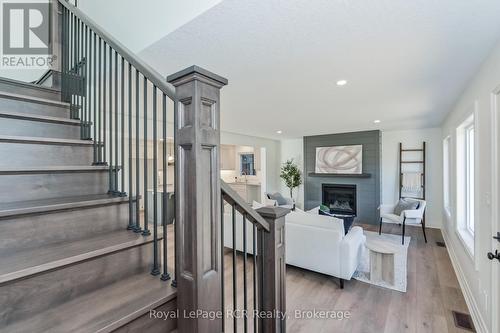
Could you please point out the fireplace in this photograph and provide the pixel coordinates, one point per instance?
(340, 198)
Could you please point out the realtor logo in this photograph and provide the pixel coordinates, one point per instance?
(26, 41)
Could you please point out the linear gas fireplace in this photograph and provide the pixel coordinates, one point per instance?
(340, 198)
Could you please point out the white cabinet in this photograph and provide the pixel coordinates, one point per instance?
(227, 157)
(241, 189)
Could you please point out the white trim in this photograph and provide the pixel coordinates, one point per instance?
(495, 209)
(469, 243)
(467, 240)
(477, 318)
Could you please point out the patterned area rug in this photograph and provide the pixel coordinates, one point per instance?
(400, 261)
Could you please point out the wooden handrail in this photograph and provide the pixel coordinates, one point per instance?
(127, 54)
(233, 198)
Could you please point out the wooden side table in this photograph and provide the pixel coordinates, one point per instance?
(381, 261)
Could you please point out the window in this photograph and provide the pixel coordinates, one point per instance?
(247, 164)
(469, 177)
(466, 182)
(446, 175)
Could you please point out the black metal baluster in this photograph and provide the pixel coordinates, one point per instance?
(137, 152)
(156, 269)
(245, 294)
(165, 276)
(112, 168)
(84, 81)
(73, 83)
(86, 86)
(94, 95)
(254, 249)
(77, 78)
(104, 85)
(122, 192)
(63, 55)
(130, 166)
(223, 294)
(71, 60)
(145, 231)
(235, 280)
(80, 77)
(116, 109)
(261, 271)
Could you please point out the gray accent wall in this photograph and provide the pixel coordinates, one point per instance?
(368, 189)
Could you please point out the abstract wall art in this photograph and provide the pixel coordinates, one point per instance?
(339, 159)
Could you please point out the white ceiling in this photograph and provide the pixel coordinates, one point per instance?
(138, 24)
(406, 62)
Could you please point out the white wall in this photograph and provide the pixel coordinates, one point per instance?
(475, 272)
(293, 148)
(434, 173)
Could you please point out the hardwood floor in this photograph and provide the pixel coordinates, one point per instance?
(433, 292)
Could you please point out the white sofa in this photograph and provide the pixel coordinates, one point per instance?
(313, 242)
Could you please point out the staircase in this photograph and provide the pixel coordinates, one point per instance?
(67, 261)
(85, 244)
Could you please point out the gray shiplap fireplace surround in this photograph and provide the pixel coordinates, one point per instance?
(367, 184)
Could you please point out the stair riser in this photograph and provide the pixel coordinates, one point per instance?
(30, 91)
(25, 298)
(13, 105)
(37, 230)
(54, 185)
(33, 155)
(25, 127)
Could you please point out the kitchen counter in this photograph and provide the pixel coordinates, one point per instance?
(247, 190)
(243, 183)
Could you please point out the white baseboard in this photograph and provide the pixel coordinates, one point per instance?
(477, 318)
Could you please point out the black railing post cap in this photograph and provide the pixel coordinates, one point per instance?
(196, 73)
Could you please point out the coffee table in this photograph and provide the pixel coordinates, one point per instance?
(381, 261)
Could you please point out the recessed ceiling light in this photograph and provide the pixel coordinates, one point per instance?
(279, 132)
(376, 121)
(341, 82)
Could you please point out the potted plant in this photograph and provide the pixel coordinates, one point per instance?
(291, 175)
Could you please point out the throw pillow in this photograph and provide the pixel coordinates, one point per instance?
(324, 208)
(278, 197)
(405, 205)
(270, 202)
(257, 205)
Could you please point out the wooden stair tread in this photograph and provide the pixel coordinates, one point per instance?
(57, 204)
(40, 118)
(21, 264)
(43, 140)
(51, 169)
(28, 84)
(103, 310)
(28, 98)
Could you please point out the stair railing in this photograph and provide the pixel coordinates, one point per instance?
(122, 105)
(254, 246)
(121, 102)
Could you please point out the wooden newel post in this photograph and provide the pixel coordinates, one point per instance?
(198, 197)
(272, 285)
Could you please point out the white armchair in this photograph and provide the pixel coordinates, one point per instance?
(289, 201)
(410, 216)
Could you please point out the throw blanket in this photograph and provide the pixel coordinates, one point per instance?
(412, 181)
